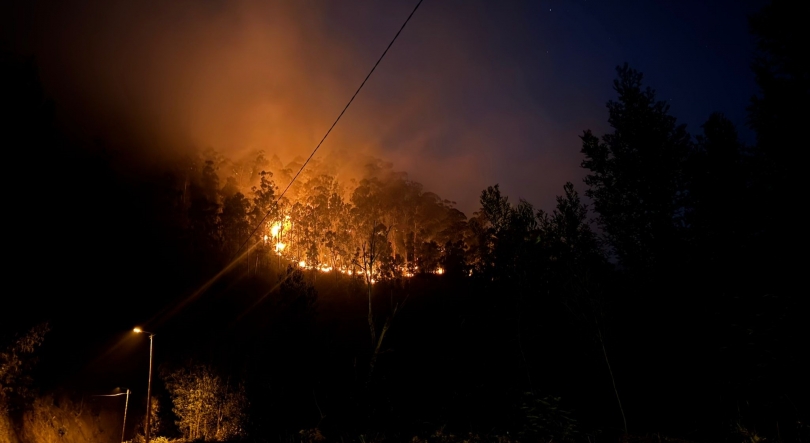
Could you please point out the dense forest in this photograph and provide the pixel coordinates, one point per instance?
(659, 300)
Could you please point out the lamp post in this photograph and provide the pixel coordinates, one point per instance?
(126, 405)
(124, 427)
(149, 385)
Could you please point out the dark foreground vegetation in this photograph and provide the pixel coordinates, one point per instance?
(368, 309)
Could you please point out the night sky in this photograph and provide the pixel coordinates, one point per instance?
(472, 94)
(134, 184)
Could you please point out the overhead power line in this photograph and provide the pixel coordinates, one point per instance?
(236, 255)
(331, 127)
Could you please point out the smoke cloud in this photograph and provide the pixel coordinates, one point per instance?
(448, 104)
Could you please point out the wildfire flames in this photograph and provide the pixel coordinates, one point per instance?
(384, 227)
(279, 230)
(374, 274)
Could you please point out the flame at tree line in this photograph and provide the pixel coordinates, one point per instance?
(381, 226)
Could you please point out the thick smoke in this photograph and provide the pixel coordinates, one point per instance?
(446, 105)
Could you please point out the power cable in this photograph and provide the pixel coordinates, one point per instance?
(236, 255)
(331, 127)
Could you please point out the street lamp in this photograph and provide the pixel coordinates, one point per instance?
(126, 405)
(149, 385)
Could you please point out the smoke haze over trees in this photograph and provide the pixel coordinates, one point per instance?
(658, 299)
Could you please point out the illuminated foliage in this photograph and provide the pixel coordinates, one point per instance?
(16, 362)
(69, 420)
(319, 224)
(207, 406)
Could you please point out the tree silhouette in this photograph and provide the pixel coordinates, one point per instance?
(636, 177)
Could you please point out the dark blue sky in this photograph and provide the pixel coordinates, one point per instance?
(472, 94)
(523, 79)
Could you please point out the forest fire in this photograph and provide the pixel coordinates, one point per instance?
(383, 227)
(659, 290)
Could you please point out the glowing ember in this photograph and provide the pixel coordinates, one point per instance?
(280, 246)
(440, 271)
(274, 229)
(265, 239)
(302, 264)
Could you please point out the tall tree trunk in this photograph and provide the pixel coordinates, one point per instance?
(610, 371)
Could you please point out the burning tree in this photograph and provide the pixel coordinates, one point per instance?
(320, 224)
